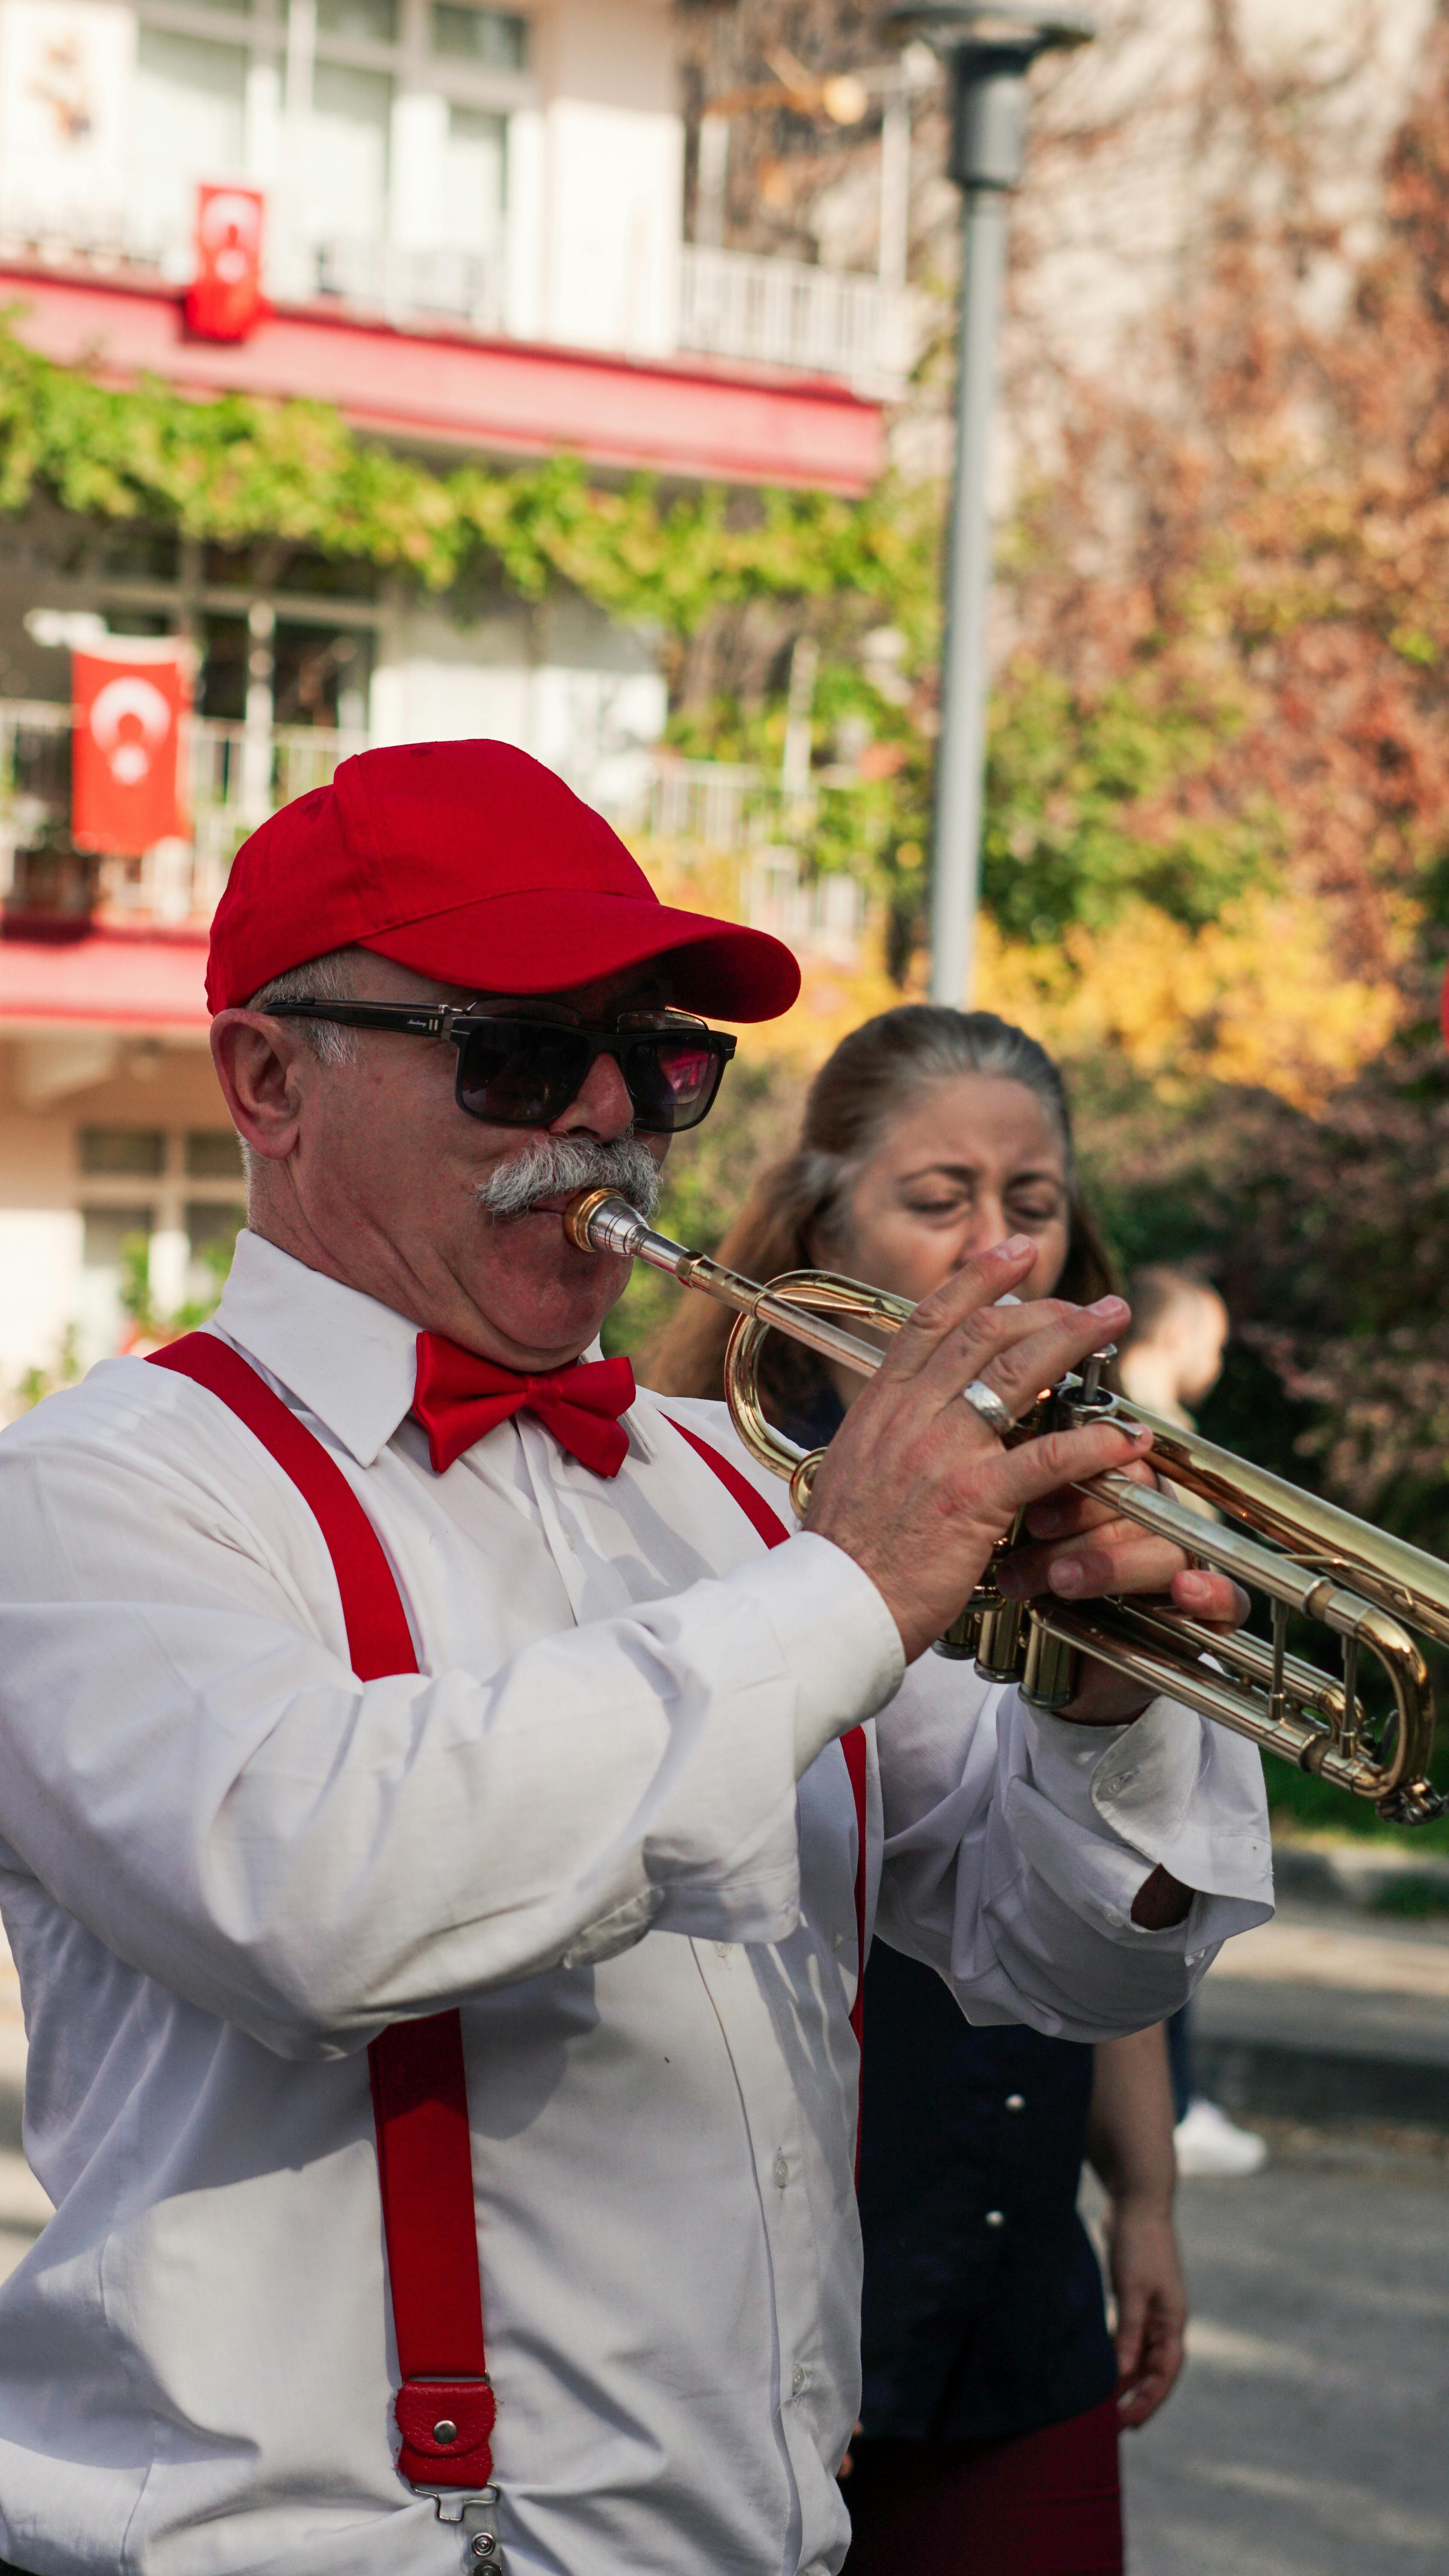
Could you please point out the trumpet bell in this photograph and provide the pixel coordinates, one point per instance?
(815, 1292)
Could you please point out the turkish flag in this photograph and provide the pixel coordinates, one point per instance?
(126, 792)
(224, 300)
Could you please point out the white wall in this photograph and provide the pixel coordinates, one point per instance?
(614, 175)
(435, 681)
(66, 69)
(559, 680)
(525, 264)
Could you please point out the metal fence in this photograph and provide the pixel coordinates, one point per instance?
(234, 778)
(385, 278)
(237, 775)
(791, 315)
(719, 804)
(732, 304)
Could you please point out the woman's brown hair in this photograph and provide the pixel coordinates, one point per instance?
(871, 1078)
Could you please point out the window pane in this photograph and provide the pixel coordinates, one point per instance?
(366, 22)
(211, 1234)
(224, 649)
(473, 180)
(213, 1154)
(122, 1149)
(138, 554)
(186, 126)
(493, 36)
(108, 1233)
(346, 174)
(313, 670)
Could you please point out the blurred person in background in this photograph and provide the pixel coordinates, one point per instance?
(1171, 1357)
(993, 2391)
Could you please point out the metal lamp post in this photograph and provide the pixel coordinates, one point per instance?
(988, 50)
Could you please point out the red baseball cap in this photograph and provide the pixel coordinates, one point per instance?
(475, 865)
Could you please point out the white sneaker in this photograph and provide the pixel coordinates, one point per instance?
(1208, 2144)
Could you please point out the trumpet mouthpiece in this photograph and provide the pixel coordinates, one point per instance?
(600, 1221)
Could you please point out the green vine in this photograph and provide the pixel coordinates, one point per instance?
(236, 468)
(1072, 832)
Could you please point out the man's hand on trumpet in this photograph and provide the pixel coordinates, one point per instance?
(918, 1488)
(1084, 1550)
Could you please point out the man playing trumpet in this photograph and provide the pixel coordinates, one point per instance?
(440, 1825)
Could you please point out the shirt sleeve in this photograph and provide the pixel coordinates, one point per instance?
(188, 1764)
(1015, 1844)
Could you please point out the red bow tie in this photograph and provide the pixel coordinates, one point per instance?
(460, 1398)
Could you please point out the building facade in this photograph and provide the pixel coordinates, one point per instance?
(472, 244)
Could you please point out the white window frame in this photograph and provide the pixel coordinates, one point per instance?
(167, 1193)
(283, 46)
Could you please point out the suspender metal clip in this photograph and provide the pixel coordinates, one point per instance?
(478, 2515)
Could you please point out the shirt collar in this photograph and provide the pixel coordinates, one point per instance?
(351, 1361)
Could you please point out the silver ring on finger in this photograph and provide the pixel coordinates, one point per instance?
(983, 1399)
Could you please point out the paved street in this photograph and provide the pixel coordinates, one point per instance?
(1307, 2436)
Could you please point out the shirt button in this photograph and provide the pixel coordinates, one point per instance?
(1016, 2101)
(996, 2218)
(798, 2378)
(782, 2171)
(722, 1951)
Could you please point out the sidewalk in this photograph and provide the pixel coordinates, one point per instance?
(1306, 2437)
(1324, 2015)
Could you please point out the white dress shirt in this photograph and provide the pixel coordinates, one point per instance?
(227, 1863)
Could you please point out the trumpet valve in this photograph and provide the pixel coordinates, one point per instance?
(1000, 1652)
(1090, 1390)
(960, 1641)
(1050, 1678)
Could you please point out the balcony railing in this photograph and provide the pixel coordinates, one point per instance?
(731, 304)
(725, 809)
(376, 276)
(791, 315)
(822, 916)
(716, 803)
(381, 277)
(237, 775)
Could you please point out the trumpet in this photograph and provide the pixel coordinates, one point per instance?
(1376, 1595)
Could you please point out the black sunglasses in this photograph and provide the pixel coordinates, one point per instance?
(525, 1073)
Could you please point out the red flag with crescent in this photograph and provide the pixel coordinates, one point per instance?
(126, 774)
(224, 300)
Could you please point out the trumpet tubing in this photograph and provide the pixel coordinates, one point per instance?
(1374, 1593)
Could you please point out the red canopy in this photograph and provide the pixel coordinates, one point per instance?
(109, 979)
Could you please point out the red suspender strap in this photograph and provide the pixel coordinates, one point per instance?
(379, 1639)
(419, 2091)
(768, 1525)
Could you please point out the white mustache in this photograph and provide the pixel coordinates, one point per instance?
(550, 1165)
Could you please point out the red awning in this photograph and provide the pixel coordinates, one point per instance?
(689, 416)
(110, 979)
